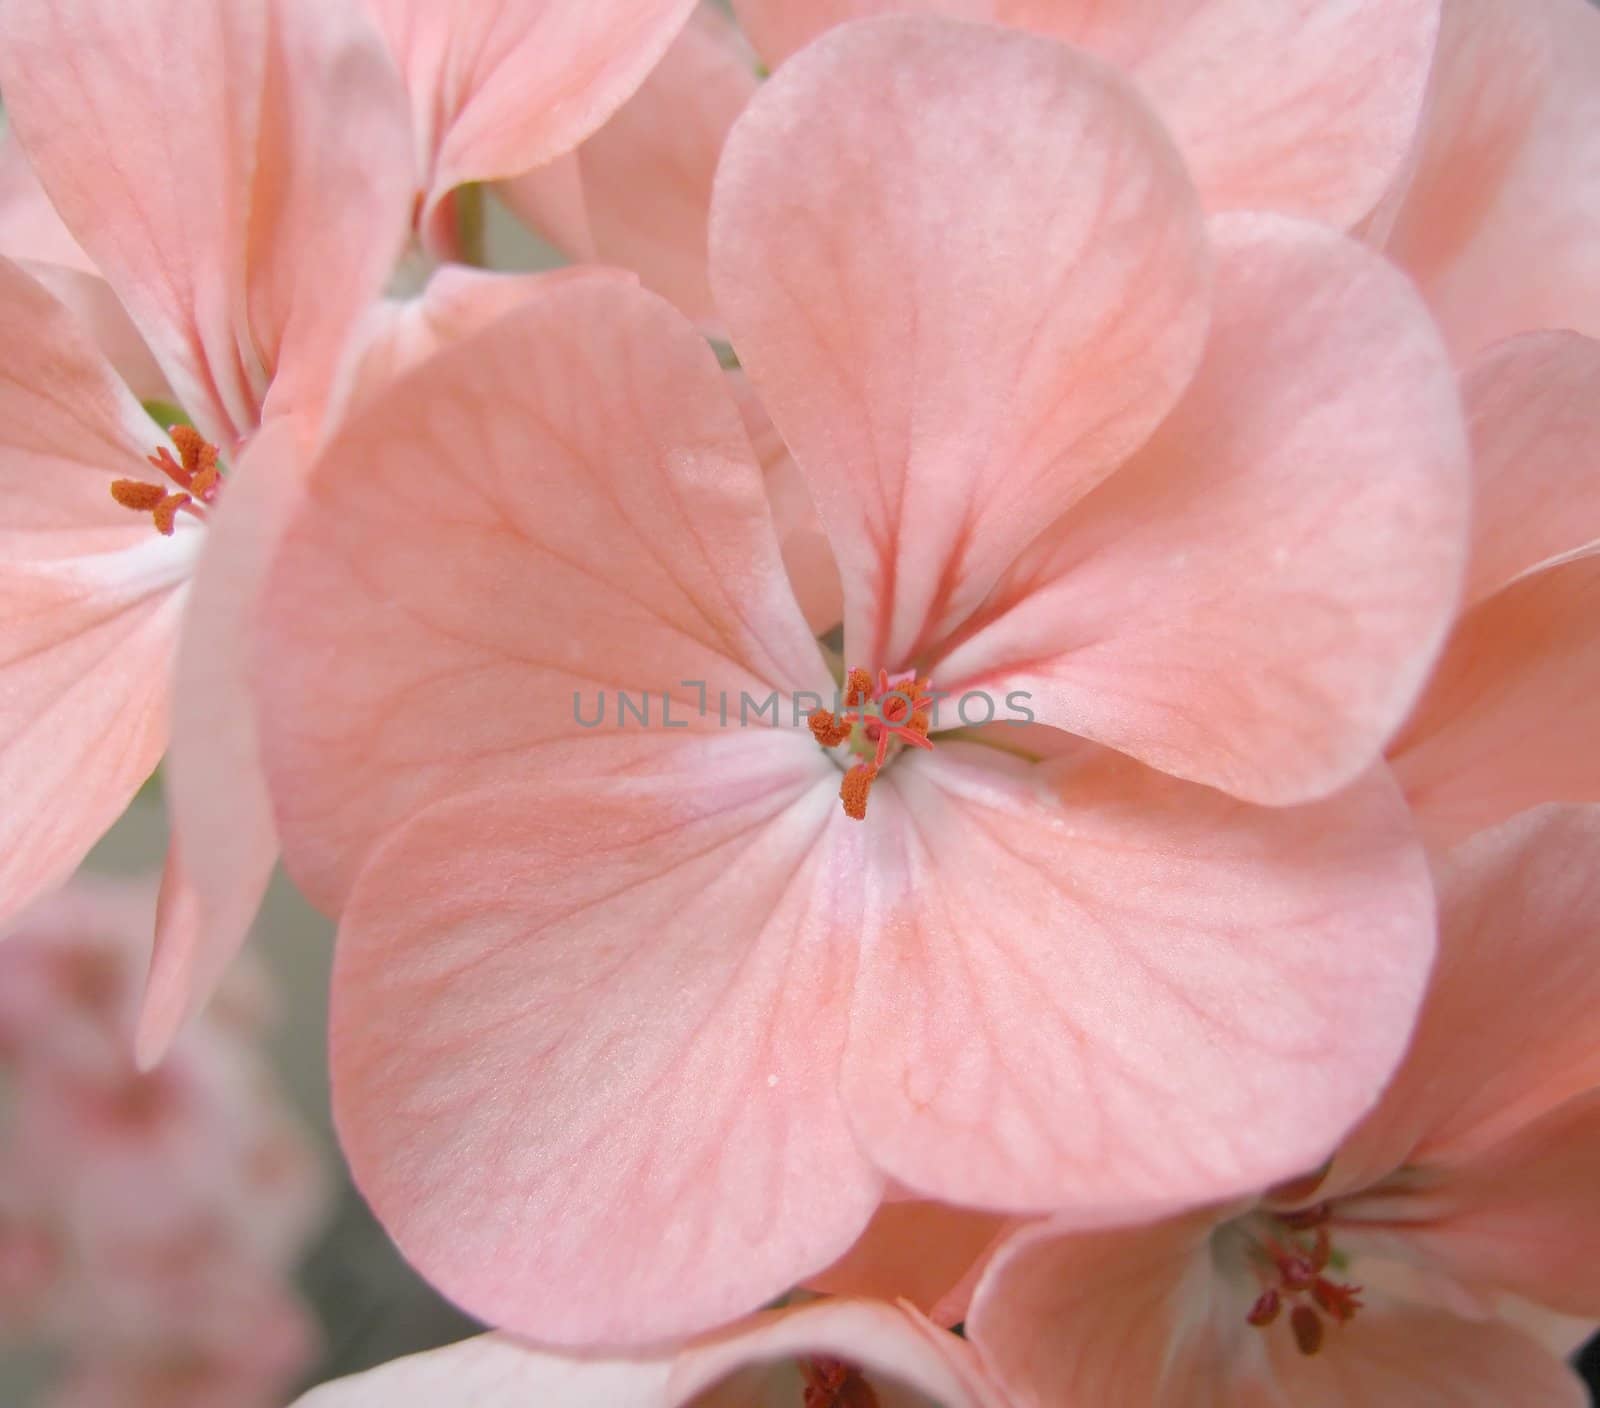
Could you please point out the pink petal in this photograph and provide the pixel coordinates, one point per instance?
(581, 467)
(193, 155)
(29, 226)
(85, 645)
(89, 597)
(224, 843)
(90, 300)
(1520, 1216)
(1534, 403)
(646, 175)
(928, 1254)
(912, 272)
(807, 554)
(585, 1043)
(1147, 1316)
(331, 194)
(896, 1351)
(499, 87)
(1491, 71)
(1253, 602)
(1306, 107)
(1530, 143)
(1518, 905)
(31, 233)
(395, 336)
(1087, 985)
(496, 1371)
(1507, 721)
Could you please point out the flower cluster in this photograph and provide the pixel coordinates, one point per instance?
(149, 1222)
(1220, 378)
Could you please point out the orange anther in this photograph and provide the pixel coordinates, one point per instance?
(140, 497)
(854, 789)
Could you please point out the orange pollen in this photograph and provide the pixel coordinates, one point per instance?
(875, 718)
(831, 1383)
(195, 474)
(1293, 1267)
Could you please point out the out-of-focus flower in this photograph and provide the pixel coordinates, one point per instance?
(241, 177)
(1376, 1280)
(826, 1354)
(629, 1043)
(149, 1223)
(1497, 214)
(1507, 721)
(499, 87)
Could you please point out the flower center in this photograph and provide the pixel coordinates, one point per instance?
(195, 474)
(831, 1383)
(1290, 1257)
(876, 722)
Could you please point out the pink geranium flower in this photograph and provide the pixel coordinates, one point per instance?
(1377, 1279)
(828, 1354)
(631, 1024)
(191, 156)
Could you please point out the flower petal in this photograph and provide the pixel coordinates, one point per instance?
(500, 87)
(1531, 259)
(85, 646)
(583, 470)
(895, 1349)
(497, 1371)
(1521, 1216)
(913, 272)
(1306, 107)
(1534, 403)
(928, 1254)
(646, 175)
(1253, 602)
(1087, 985)
(221, 815)
(1504, 1035)
(1507, 720)
(192, 155)
(397, 335)
(331, 195)
(585, 1044)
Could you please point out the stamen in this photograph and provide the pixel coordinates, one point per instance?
(195, 473)
(1307, 1327)
(132, 493)
(1293, 1267)
(878, 718)
(831, 1383)
(853, 790)
(1266, 1308)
